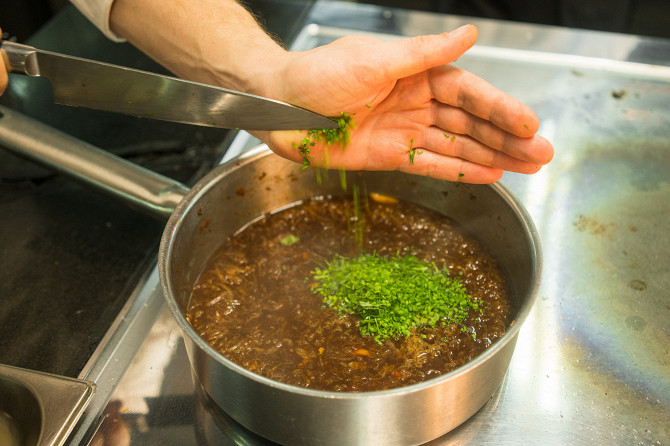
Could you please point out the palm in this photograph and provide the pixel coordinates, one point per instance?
(415, 102)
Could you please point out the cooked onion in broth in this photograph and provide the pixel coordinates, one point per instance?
(253, 301)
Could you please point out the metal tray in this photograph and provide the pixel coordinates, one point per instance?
(39, 409)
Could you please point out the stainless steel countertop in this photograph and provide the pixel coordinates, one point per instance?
(592, 364)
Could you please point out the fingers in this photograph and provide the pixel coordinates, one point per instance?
(453, 86)
(449, 168)
(401, 58)
(4, 78)
(469, 149)
(458, 157)
(535, 149)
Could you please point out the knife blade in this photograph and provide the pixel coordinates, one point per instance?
(102, 86)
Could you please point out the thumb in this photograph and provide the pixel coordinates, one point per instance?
(410, 56)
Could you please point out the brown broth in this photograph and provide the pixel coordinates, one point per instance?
(253, 301)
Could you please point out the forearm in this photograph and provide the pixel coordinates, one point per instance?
(211, 41)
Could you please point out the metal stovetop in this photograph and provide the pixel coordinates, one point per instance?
(592, 364)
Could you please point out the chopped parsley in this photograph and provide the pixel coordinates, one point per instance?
(340, 134)
(412, 151)
(289, 240)
(393, 296)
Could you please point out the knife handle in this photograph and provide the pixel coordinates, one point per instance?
(20, 58)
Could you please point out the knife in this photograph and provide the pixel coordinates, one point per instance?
(102, 86)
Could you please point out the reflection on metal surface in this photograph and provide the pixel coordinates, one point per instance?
(591, 365)
(217, 427)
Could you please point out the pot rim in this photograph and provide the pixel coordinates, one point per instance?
(207, 182)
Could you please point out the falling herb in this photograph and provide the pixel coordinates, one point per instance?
(461, 175)
(395, 295)
(304, 150)
(343, 179)
(412, 151)
(367, 105)
(341, 135)
(359, 217)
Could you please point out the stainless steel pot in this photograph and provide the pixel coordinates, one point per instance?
(236, 193)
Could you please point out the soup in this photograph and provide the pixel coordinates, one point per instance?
(255, 305)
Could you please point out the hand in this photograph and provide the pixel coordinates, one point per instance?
(403, 94)
(414, 96)
(4, 77)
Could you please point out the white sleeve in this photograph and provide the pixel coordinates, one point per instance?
(97, 11)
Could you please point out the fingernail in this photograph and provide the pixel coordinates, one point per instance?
(460, 32)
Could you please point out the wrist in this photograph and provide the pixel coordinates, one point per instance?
(253, 68)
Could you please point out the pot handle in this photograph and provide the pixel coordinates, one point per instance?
(135, 185)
